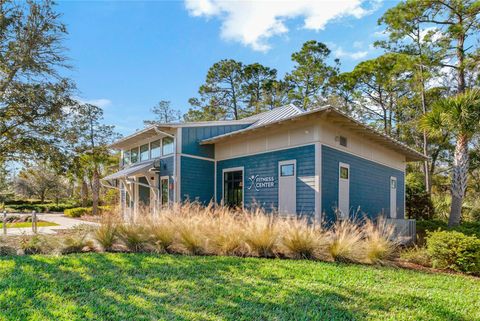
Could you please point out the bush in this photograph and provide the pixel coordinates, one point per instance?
(418, 204)
(78, 241)
(417, 255)
(468, 228)
(38, 244)
(454, 250)
(81, 211)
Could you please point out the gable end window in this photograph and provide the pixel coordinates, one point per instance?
(343, 141)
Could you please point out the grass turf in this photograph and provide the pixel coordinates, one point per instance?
(152, 287)
(27, 224)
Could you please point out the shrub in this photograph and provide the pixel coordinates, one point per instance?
(418, 204)
(78, 241)
(345, 241)
(81, 211)
(379, 244)
(302, 241)
(417, 255)
(454, 250)
(261, 234)
(38, 244)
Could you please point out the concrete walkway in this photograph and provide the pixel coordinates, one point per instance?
(64, 223)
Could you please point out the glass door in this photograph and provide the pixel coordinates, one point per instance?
(164, 188)
(233, 188)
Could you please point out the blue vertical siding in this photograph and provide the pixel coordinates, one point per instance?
(166, 169)
(369, 185)
(266, 164)
(191, 137)
(197, 179)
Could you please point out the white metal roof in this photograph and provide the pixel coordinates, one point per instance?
(274, 115)
(342, 118)
(130, 171)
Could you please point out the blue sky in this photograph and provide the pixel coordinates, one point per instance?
(126, 56)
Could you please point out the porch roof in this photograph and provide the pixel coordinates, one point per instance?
(130, 171)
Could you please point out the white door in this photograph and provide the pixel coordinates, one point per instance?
(393, 197)
(343, 190)
(287, 189)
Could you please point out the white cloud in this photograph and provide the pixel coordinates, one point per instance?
(100, 102)
(339, 52)
(252, 23)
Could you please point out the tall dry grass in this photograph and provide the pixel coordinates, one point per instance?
(197, 230)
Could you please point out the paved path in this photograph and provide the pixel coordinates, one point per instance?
(64, 223)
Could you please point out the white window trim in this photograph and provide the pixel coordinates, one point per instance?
(340, 165)
(233, 169)
(168, 189)
(287, 162)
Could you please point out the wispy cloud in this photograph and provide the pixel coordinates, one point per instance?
(339, 52)
(100, 102)
(254, 23)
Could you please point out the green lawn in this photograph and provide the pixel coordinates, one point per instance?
(152, 287)
(28, 224)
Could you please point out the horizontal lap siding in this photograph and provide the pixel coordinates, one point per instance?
(191, 137)
(369, 185)
(266, 165)
(197, 183)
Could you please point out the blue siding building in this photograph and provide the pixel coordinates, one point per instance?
(321, 164)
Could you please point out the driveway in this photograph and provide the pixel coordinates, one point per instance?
(64, 223)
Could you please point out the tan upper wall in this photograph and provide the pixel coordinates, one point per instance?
(319, 130)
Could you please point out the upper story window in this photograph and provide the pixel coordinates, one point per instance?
(343, 141)
(167, 145)
(155, 149)
(126, 157)
(134, 155)
(144, 155)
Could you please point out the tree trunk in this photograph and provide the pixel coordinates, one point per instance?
(84, 193)
(95, 191)
(459, 179)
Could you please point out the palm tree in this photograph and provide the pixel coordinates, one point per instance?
(460, 115)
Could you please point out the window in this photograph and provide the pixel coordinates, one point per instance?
(343, 141)
(126, 157)
(287, 170)
(134, 155)
(343, 172)
(233, 188)
(144, 152)
(167, 145)
(155, 149)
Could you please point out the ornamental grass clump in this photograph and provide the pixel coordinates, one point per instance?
(77, 242)
(190, 223)
(106, 233)
(162, 232)
(300, 240)
(226, 233)
(345, 242)
(133, 236)
(261, 234)
(379, 244)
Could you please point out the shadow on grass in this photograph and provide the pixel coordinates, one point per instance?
(150, 287)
